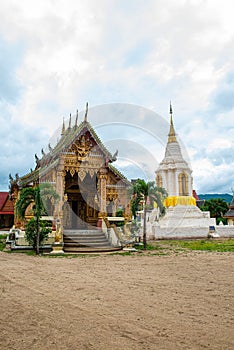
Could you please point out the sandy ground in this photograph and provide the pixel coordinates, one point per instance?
(135, 302)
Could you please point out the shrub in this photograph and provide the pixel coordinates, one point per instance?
(31, 231)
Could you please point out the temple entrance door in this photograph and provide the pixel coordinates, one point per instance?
(74, 206)
(82, 213)
(79, 209)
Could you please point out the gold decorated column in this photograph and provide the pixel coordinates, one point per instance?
(57, 246)
(60, 191)
(102, 191)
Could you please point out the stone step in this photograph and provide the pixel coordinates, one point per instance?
(87, 244)
(90, 249)
(83, 232)
(79, 238)
(86, 241)
(84, 236)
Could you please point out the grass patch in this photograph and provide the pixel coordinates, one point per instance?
(217, 245)
(26, 252)
(2, 242)
(149, 246)
(29, 252)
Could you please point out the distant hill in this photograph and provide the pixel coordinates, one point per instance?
(227, 197)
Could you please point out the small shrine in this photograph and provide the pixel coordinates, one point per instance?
(229, 215)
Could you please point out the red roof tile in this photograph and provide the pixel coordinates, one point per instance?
(3, 198)
(6, 205)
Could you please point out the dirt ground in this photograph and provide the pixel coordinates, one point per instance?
(143, 301)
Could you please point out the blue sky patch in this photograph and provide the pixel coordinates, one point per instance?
(138, 54)
(11, 55)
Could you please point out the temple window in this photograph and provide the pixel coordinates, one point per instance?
(159, 181)
(183, 184)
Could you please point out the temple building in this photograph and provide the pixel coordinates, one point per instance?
(80, 169)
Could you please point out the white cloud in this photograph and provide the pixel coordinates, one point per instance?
(219, 143)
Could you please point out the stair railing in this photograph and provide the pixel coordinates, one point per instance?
(111, 233)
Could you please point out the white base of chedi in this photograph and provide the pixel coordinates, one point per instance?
(183, 221)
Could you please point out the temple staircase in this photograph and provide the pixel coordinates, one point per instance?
(86, 241)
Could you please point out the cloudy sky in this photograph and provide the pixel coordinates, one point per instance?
(128, 59)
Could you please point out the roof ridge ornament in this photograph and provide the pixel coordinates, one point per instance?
(37, 161)
(114, 157)
(63, 128)
(86, 112)
(76, 121)
(69, 127)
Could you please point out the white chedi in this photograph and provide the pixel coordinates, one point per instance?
(174, 173)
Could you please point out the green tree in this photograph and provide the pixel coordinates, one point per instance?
(143, 192)
(31, 232)
(38, 197)
(217, 208)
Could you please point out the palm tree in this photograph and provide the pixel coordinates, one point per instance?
(36, 196)
(146, 192)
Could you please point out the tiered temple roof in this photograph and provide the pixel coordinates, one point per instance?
(68, 136)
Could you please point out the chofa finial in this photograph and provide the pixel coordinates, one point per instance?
(63, 128)
(69, 122)
(76, 122)
(37, 160)
(86, 112)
